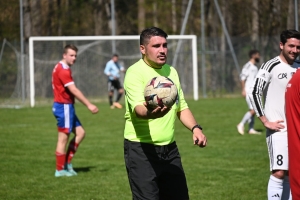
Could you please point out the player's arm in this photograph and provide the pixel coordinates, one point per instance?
(123, 69)
(107, 70)
(255, 94)
(243, 88)
(243, 78)
(272, 125)
(78, 94)
(188, 120)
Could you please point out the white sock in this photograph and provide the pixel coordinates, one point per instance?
(286, 192)
(275, 187)
(246, 117)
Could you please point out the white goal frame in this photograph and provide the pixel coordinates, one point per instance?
(129, 37)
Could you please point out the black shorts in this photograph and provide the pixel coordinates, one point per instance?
(155, 172)
(114, 85)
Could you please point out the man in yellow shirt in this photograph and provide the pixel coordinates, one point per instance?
(151, 155)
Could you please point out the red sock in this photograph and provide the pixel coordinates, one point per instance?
(71, 151)
(60, 160)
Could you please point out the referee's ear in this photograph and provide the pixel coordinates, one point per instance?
(142, 49)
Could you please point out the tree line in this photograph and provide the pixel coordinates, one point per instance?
(250, 24)
(93, 17)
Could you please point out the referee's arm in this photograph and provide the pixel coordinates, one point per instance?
(188, 120)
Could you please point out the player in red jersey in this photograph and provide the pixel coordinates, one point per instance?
(292, 107)
(65, 92)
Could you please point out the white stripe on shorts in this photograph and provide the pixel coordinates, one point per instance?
(67, 115)
(270, 149)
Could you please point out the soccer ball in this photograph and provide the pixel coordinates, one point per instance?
(160, 91)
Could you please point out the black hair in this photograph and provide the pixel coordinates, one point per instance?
(287, 34)
(115, 55)
(147, 33)
(252, 52)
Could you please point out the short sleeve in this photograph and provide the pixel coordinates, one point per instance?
(134, 89)
(244, 74)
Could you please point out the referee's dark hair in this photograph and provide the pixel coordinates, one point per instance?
(252, 52)
(147, 33)
(287, 34)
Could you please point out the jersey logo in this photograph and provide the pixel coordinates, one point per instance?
(263, 75)
(282, 75)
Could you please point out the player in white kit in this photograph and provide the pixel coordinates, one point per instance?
(274, 76)
(247, 78)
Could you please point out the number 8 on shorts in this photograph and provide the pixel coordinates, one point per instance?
(278, 151)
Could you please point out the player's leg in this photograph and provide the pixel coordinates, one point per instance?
(143, 167)
(246, 117)
(120, 90)
(60, 112)
(286, 191)
(117, 85)
(60, 154)
(251, 124)
(172, 182)
(110, 93)
(79, 135)
(278, 154)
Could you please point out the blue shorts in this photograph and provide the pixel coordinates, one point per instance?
(65, 116)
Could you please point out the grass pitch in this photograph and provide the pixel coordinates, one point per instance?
(231, 167)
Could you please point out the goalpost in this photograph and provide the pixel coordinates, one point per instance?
(93, 53)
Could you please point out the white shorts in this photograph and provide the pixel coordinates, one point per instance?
(278, 151)
(249, 103)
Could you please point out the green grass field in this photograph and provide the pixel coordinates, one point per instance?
(230, 167)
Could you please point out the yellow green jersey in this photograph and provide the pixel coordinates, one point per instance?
(158, 131)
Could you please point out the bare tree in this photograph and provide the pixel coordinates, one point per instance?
(174, 21)
(27, 21)
(255, 24)
(141, 15)
(154, 5)
(291, 15)
(36, 17)
(99, 16)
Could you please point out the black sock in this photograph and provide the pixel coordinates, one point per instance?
(119, 96)
(110, 100)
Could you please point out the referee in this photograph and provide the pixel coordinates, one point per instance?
(151, 155)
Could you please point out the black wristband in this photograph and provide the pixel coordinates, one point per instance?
(196, 126)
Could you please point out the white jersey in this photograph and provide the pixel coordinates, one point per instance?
(248, 75)
(275, 74)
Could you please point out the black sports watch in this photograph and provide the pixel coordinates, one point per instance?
(196, 126)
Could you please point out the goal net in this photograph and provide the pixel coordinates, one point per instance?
(12, 76)
(93, 53)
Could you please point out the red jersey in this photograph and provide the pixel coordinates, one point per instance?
(61, 78)
(292, 107)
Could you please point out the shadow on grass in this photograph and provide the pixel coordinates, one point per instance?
(260, 130)
(84, 169)
(87, 169)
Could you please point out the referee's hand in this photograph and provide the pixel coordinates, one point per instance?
(199, 138)
(157, 112)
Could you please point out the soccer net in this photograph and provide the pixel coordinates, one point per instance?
(93, 53)
(12, 77)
